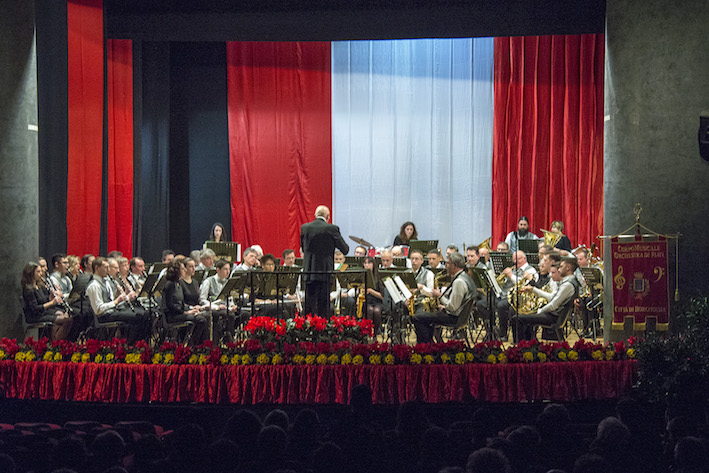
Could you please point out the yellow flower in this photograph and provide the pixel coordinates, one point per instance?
(597, 355)
(310, 359)
(389, 359)
(263, 359)
(502, 358)
(491, 358)
(76, 357)
(235, 360)
(133, 358)
(203, 359)
(630, 353)
(321, 359)
(573, 355)
(3, 355)
(528, 356)
(298, 359)
(416, 358)
(469, 357)
(562, 355)
(193, 359)
(48, 356)
(610, 354)
(333, 359)
(277, 359)
(157, 358)
(460, 358)
(30, 356)
(58, 356)
(357, 360)
(375, 359)
(223, 360)
(246, 360)
(445, 358)
(110, 357)
(85, 358)
(99, 358)
(428, 359)
(169, 359)
(542, 357)
(20, 356)
(346, 359)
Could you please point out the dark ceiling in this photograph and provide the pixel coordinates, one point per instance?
(312, 20)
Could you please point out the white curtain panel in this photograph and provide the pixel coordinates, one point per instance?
(412, 138)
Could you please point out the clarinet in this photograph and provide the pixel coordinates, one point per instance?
(120, 287)
(53, 291)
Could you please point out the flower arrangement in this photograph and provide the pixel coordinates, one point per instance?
(310, 328)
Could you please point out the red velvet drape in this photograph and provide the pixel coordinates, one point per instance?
(119, 79)
(85, 123)
(548, 134)
(279, 139)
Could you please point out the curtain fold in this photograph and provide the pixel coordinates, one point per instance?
(548, 134)
(85, 125)
(279, 139)
(412, 138)
(120, 146)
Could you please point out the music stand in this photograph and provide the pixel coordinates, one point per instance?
(423, 245)
(157, 267)
(299, 262)
(488, 283)
(399, 262)
(593, 278)
(500, 260)
(529, 247)
(404, 282)
(354, 261)
(228, 250)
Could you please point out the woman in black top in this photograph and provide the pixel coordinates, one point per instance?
(406, 234)
(40, 306)
(375, 296)
(190, 288)
(176, 309)
(218, 233)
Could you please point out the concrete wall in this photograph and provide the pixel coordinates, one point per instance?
(657, 83)
(18, 155)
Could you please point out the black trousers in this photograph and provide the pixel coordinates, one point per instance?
(424, 322)
(317, 298)
(137, 320)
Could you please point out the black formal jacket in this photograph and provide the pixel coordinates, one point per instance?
(319, 240)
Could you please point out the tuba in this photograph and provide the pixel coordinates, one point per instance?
(526, 302)
(485, 244)
(551, 238)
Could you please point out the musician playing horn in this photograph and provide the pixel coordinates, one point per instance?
(564, 244)
(559, 301)
(460, 291)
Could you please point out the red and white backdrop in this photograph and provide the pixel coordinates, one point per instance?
(461, 136)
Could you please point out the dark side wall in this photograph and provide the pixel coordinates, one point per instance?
(657, 83)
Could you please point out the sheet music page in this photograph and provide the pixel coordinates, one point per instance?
(393, 290)
(402, 287)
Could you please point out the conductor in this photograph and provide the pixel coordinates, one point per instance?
(318, 239)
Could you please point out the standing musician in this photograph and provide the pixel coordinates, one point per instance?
(560, 301)
(208, 292)
(564, 244)
(406, 234)
(461, 290)
(137, 274)
(42, 306)
(176, 308)
(522, 233)
(108, 306)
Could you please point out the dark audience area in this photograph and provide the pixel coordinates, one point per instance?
(359, 439)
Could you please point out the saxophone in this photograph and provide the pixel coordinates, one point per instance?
(431, 303)
(360, 303)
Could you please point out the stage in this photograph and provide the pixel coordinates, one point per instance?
(316, 384)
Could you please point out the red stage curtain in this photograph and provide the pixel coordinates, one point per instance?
(120, 145)
(85, 153)
(279, 139)
(548, 134)
(289, 384)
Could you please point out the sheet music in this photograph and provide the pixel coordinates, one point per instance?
(493, 282)
(393, 291)
(402, 287)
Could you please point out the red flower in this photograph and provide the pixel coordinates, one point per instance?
(252, 345)
(323, 347)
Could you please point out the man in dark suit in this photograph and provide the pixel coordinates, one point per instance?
(318, 239)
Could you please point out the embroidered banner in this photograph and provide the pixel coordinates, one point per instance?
(640, 283)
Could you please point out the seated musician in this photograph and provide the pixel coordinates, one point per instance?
(451, 249)
(387, 260)
(206, 259)
(522, 233)
(60, 277)
(40, 305)
(190, 288)
(342, 300)
(374, 298)
(503, 247)
(110, 307)
(521, 267)
(564, 244)
(544, 276)
(424, 277)
(397, 252)
(406, 234)
(559, 301)
(266, 304)
(167, 256)
(74, 267)
(137, 274)
(452, 300)
(435, 260)
(87, 263)
(584, 261)
(249, 261)
(224, 320)
(43, 266)
(289, 258)
(485, 257)
(176, 307)
(472, 257)
(360, 251)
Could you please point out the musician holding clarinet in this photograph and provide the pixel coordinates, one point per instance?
(42, 304)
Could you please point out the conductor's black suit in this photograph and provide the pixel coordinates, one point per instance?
(318, 239)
